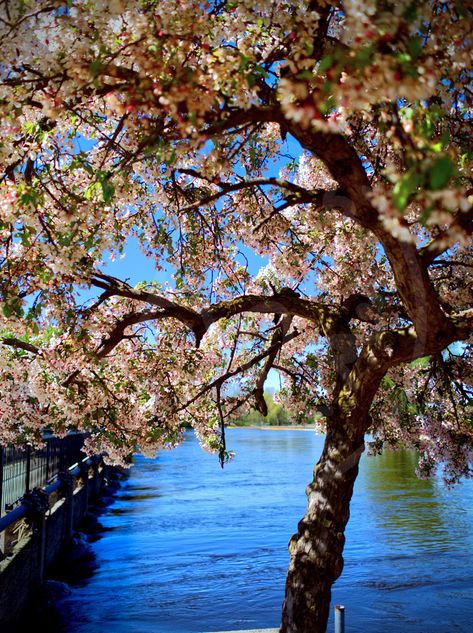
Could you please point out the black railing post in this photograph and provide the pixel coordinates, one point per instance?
(47, 460)
(28, 467)
(68, 488)
(62, 454)
(2, 461)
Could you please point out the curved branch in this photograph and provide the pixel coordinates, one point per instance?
(199, 323)
(18, 344)
(293, 374)
(323, 315)
(239, 118)
(118, 333)
(116, 287)
(279, 303)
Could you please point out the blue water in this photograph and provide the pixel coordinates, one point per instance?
(190, 548)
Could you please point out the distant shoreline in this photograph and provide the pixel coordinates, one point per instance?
(268, 427)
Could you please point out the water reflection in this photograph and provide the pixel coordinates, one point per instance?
(192, 548)
(418, 520)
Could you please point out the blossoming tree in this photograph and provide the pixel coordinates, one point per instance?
(330, 139)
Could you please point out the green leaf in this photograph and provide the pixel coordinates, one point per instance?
(410, 14)
(95, 67)
(325, 63)
(107, 190)
(404, 57)
(445, 138)
(64, 239)
(405, 187)
(407, 113)
(328, 105)
(45, 275)
(387, 383)
(428, 126)
(420, 363)
(440, 172)
(12, 307)
(364, 55)
(7, 310)
(309, 48)
(92, 190)
(244, 62)
(261, 70)
(251, 79)
(305, 74)
(414, 44)
(34, 327)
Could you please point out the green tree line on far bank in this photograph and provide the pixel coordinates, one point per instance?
(277, 415)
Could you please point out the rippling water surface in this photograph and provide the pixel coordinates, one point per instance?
(191, 548)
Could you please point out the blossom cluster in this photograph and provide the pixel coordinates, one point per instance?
(208, 133)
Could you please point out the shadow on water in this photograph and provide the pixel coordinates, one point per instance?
(191, 548)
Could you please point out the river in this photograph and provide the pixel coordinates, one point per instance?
(191, 548)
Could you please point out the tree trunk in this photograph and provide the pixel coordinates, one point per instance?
(316, 549)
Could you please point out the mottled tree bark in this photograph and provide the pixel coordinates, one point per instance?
(316, 549)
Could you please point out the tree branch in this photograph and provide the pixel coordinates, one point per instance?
(238, 370)
(410, 272)
(199, 323)
(238, 118)
(301, 195)
(118, 332)
(18, 344)
(276, 343)
(119, 288)
(443, 241)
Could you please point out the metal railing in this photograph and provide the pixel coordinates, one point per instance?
(23, 469)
